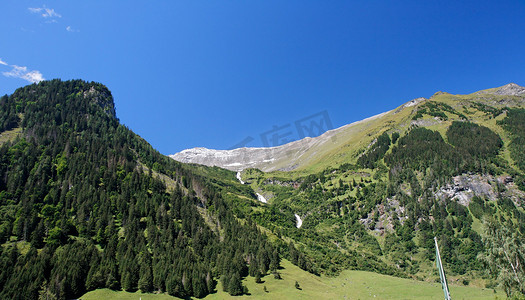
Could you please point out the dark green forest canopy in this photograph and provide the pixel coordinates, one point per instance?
(437, 110)
(84, 204)
(474, 139)
(375, 152)
(470, 147)
(514, 124)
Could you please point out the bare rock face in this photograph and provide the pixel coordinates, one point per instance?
(465, 186)
(426, 122)
(266, 159)
(101, 96)
(389, 209)
(510, 89)
(235, 160)
(410, 103)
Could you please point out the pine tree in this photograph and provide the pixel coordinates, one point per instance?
(174, 286)
(199, 284)
(277, 275)
(187, 283)
(95, 279)
(45, 293)
(253, 268)
(210, 282)
(275, 261)
(235, 287)
(146, 279)
(258, 277)
(127, 283)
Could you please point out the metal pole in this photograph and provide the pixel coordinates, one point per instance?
(444, 284)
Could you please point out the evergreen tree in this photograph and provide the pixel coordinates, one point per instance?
(235, 287)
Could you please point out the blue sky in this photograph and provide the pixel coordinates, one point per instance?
(216, 73)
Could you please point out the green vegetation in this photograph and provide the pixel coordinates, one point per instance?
(380, 211)
(376, 151)
(349, 284)
(438, 110)
(472, 147)
(505, 256)
(89, 198)
(476, 140)
(514, 124)
(87, 205)
(488, 110)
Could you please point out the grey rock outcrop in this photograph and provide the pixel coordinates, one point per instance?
(464, 187)
(510, 89)
(410, 103)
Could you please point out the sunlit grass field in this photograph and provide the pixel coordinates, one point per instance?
(348, 285)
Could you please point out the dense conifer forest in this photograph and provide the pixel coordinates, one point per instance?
(85, 203)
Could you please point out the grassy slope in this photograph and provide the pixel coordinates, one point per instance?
(353, 140)
(350, 141)
(348, 285)
(10, 135)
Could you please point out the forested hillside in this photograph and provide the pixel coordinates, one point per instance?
(85, 203)
(450, 167)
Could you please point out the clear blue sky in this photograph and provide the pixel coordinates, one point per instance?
(212, 73)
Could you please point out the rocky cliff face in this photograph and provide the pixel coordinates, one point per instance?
(464, 187)
(282, 158)
(235, 160)
(101, 96)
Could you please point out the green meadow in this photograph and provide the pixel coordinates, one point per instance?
(348, 285)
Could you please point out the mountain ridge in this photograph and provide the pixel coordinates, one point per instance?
(294, 155)
(201, 155)
(510, 89)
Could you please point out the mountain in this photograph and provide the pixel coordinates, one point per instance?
(286, 157)
(85, 203)
(334, 146)
(379, 190)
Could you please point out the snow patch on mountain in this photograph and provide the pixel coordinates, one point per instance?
(234, 165)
